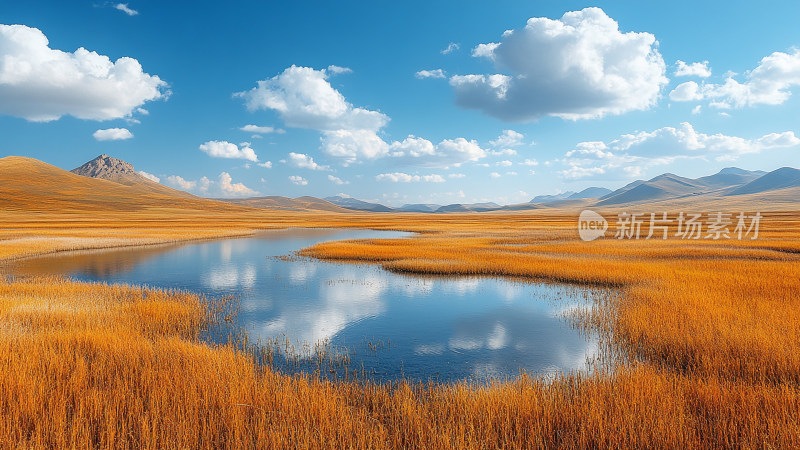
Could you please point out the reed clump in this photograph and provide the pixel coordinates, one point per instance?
(707, 333)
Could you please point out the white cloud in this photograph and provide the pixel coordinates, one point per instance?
(338, 70)
(530, 162)
(303, 161)
(436, 73)
(353, 145)
(503, 152)
(230, 189)
(504, 163)
(686, 92)
(631, 154)
(225, 149)
(112, 134)
(124, 8)
(456, 175)
(399, 177)
(697, 109)
(695, 69)
(298, 180)
(304, 98)
(495, 175)
(769, 83)
(41, 84)
(451, 47)
(223, 187)
(260, 130)
(337, 180)
(580, 66)
(509, 138)
(179, 182)
(421, 152)
(266, 165)
(149, 176)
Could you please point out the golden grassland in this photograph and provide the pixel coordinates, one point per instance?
(707, 334)
(710, 332)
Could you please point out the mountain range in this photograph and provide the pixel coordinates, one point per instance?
(728, 182)
(108, 183)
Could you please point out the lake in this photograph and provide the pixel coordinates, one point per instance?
(334, 318)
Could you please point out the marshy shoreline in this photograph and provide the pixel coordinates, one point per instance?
(707, 329)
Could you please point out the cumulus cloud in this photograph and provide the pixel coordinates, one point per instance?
(303, 161)
(230, 189)
(338, 70)
(266, 164)
(337, 180)
(124, 8)
(509, 138)
(631, 154)
(41, 84)
(112, 134)
(421, 152)
(298, 180)
(149, 176)
(451, 47)
(436, 73)
(181, 183)
(304, 98)
(225, 149)
(686, 92)
(578, 67)
(770, 83)
(260, 130)
(400, 177)
(495, 175)
(695, 69)
(222, 187)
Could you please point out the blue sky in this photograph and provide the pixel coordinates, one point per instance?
(403, 102)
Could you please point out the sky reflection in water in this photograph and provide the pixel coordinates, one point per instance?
(390, 325)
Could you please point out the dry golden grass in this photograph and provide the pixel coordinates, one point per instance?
(99, 366)
(709, 333)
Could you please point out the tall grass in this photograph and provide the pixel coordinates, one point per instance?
(709, 332)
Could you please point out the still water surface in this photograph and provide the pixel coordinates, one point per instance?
(386, 325)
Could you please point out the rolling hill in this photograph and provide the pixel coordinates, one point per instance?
(28, 184)
(785, 177)
(107, 184)
(305, 203)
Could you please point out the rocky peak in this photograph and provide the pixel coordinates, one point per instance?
(105, 166)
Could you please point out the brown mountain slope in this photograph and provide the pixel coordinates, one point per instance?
(288, 204)
(27, 184)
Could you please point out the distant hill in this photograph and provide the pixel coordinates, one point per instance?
(108, 168)
(305, 203)
(590, 192)
(454, 208)
(785, 177)
(27, 184)
(551, 198)
(107, 184)
(661, 187)
(419, 207)
(356, 204)
(730, 176)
